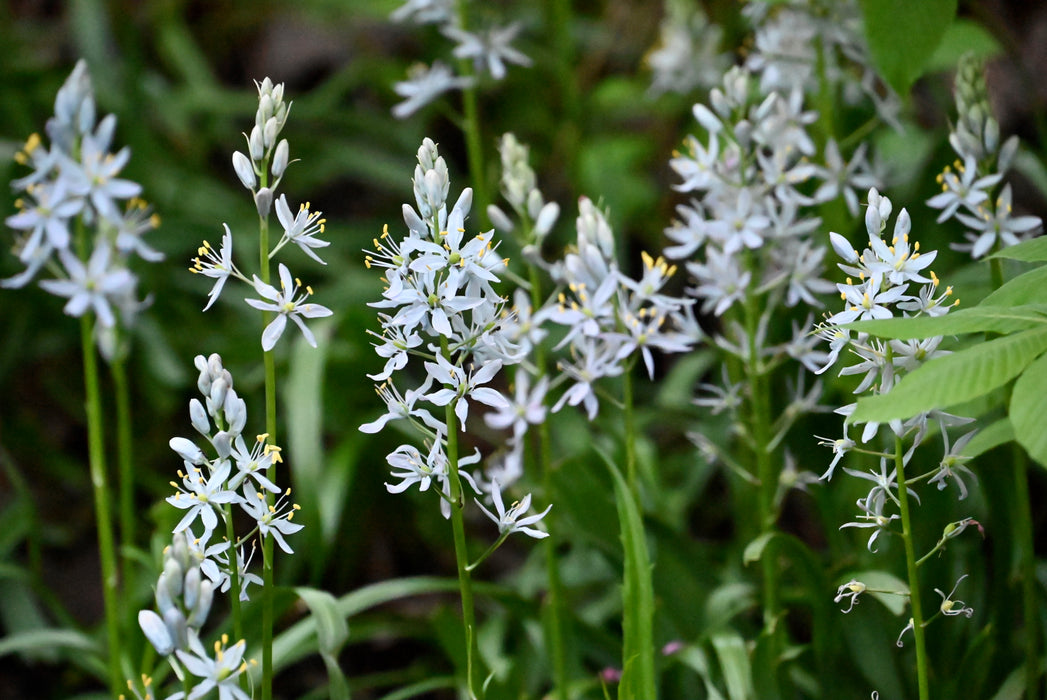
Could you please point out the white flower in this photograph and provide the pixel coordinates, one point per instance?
(92, 286)
(489, 49)
(218, 266)
(287, 302)
(509, 521)
(302, 227)
(423, 85)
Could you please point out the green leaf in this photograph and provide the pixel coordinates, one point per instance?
(331, 628)
(1000, 432)
(955, 378)
(47, 640)
(637, 596)
(979, 319)
(1026, 288)
(963, 36)
(1032, 250)
(1028, 408)
(332, 631)
(903, 35)
(695, 659)
(734, 661)
(755, 549)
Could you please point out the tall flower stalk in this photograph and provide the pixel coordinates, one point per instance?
(440, 308)
(79, 220)
(878, 287)
(260, 171)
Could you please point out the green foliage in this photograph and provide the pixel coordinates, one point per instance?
(903, 36)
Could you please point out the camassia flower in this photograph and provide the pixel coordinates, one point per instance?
(509, 520)
(290, 301)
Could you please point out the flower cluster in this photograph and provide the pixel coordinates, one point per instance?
(267, 157)
(746, 234)
(76, 178)
(799, 43)
(687, 55)
(889, 278)
(489, 50)
(230, 473)
(440, 305)
(971, 187)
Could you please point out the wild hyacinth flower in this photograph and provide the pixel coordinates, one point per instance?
(797, 44)
(440, 291)
(973, 188)
(484, 51)
(77, 177)
(260, 171)
(883, 291)
(687, 55)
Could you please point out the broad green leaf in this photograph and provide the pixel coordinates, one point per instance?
(734, 662)
(903, 35)
(989, 437)
(1029, 408)
(637, 596)
(979, 319)
(1032, 250)
(955, 378)
(963, 36)
(765, 665)
(1026, 288)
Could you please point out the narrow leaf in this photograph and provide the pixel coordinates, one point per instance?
(1028, 408)
(734, 661)
(955, 378)
(979, 319)
(637, 597)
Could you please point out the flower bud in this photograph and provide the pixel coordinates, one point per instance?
(156, 632)
(263, 201)
(198, 613)
(192, 588)
(187, 450)
(256, 144)
(498, 219)
(280, 159)
(219, 388)
(270, 132)
(244, 171)
(174, 620)
(198, 417)
(546, 220)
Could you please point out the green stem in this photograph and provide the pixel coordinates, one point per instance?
(125, 462)
(99, 482)
(919, 633)
(461, 554)
(554, 595)
(471, 127)
(234, 575)
(630, 436)
(760, 427)
(1027, 566)
(270, 428)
